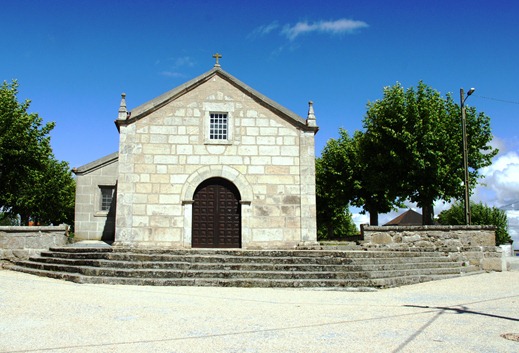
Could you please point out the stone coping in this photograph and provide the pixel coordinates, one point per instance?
(432, 227)
(28, 229)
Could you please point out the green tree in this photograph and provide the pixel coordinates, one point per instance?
(413, 138)
(377, 187)
(47, 196)
(335, 185)
(344, 177)
(32, 183)
(481, 215)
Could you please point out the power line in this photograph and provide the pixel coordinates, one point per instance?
(497, 99)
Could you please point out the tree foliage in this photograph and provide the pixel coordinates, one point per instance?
(414, 137)
(8, 220)
(410, 149)
(333, 217)
(481, 215)
(344, 177)
(33, 184)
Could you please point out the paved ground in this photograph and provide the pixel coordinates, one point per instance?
(467, 314)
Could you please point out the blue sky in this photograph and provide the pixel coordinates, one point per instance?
(73, 59)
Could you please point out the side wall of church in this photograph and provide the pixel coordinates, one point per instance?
(92, 223)
(164, 156)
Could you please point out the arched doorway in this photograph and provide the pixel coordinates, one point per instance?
(216, 215)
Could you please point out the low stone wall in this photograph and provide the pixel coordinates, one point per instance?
(21, 242)
(472, 245)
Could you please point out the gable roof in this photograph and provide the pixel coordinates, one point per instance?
(408, 218)
(165, 98)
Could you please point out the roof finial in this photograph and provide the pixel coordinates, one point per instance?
(123, 113)
(310, 119)
(217, 56)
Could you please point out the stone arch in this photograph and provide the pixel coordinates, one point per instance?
(215, 171)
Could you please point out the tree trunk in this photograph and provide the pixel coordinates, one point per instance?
(373, 218)
(428, 214)
(24, 220)
(329, 228)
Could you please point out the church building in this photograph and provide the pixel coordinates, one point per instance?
(210, 164)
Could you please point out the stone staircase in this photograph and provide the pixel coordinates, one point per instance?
(241, 268)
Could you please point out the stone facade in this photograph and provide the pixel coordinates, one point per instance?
(166, 152)
(91, 221)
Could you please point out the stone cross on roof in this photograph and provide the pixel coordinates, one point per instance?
(217, 56)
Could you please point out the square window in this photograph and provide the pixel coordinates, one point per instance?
(218, 126)
(107, 195)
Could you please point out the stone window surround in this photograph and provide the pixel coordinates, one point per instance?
(218, 108)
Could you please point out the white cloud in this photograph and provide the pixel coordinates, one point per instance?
(264, 30)
(171, 74)
(184, 61)
(178, 64)
(358, 218)
(334, 27)
(501, 181)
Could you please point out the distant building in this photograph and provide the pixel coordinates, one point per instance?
(408, 218)
(212, 163)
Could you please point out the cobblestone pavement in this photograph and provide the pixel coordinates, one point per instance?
(467, 314)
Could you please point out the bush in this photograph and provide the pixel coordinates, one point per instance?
(8, 220)
(481, 215)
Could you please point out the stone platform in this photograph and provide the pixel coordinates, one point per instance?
(243, 268)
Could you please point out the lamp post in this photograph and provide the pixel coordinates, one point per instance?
(465, 152)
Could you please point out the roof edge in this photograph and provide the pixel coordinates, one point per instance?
(160, 101)
(98, 163)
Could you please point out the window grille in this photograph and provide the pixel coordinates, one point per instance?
(107, 194)
(218, 128)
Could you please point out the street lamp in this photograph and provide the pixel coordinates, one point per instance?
(465, 152)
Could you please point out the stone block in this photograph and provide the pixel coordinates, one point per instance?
(283, 160)
(159, 178)
(248, 150)
(411, 238)
(169, 199)
(494, 264)
(264, 235)
(185, 149)
(159, 221)
(266, 140)
(381, 238)
(230, 160)
(277, 169)
(165, 159)
(142, 188)
(291, 151)
(261, 160)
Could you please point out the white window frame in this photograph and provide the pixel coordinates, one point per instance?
(208, 125)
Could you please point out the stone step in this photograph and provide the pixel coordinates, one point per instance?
(239, 273)
(233, 282)
(390, 264)
(237, 267)
(245, 253)
(340, 258)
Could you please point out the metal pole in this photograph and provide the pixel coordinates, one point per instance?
(465, 157)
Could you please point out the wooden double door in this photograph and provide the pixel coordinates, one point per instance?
(216, 215)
